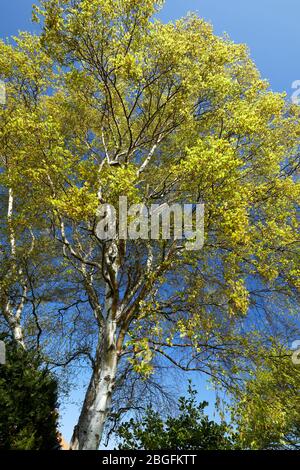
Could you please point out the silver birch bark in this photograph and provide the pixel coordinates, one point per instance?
(13, 318)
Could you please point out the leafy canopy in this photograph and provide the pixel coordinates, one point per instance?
(108, 102)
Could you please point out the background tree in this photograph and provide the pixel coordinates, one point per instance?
(189, 429)
(25, 75)
(161, 114)
(37, 295)
(28, 395)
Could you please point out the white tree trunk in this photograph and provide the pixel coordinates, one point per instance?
(14, 318)
(89, 430)
(14, 322)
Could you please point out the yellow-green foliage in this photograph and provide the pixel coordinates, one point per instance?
(105, 87)
(267, 412)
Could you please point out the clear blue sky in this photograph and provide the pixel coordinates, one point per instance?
(270, 28)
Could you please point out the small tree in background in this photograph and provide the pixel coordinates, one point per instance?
(28, 396)
(190, 429)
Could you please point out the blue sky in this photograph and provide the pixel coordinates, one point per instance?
(269, 27)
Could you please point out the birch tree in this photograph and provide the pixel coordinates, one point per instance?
(163, 113)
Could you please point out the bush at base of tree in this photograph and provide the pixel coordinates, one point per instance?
(28, 396)
(190, 429)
